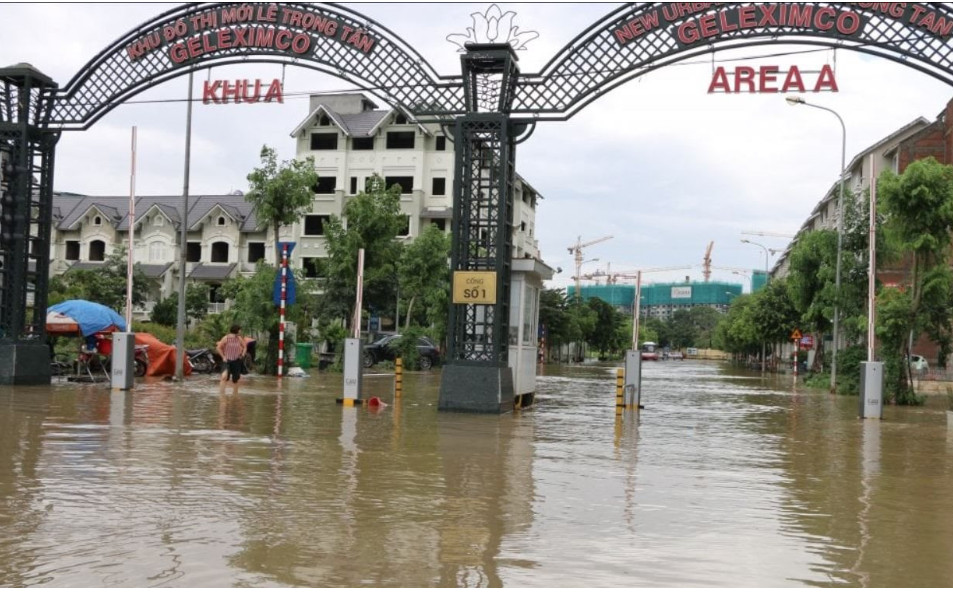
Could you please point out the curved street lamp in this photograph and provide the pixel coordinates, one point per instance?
(766, 251)
(798, 101)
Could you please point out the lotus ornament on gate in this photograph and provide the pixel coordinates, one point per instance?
(493, 26)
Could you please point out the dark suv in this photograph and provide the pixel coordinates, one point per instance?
(383, 349)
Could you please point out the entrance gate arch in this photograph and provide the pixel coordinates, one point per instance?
(488, 109)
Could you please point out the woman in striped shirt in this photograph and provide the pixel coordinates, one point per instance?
(232, 349)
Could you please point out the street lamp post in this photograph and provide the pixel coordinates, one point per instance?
(765, 249)
(796, 101)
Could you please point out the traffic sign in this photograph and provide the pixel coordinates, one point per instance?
(796, 336)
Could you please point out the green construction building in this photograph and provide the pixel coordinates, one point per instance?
(660, 301)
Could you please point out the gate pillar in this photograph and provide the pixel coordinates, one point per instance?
(27, 148)
(477, 377)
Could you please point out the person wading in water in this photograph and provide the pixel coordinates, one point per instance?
(232, 350)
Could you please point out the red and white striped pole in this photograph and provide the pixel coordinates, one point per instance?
(281, 310)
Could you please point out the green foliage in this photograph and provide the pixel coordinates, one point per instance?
(554, 316)
(106, 285)
(281, 194)
(166, 311)
(424, 274)
(164, 333)
(373, 221)
(812, 283)
(737, 332)
(255, 311)
(918, 211)
(607, 333)
(848, 369)
(406, 347)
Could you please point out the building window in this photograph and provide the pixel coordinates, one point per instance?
(439, 187)
(325, 185)
(363, 144)
(220, 222)
(313, 267)
(97, 251)
(193, 252)
(400, 119)
(324, 141)
(324, 121)
(440, 143)
(440, 223)
(406, 183)
(405, 229)
(156, 252)
(215, 294)
(72, 250)
(314, 225)
(220, 252)
(353, 185)
(401, 140)
(256, 252)
(97, 221)
(158, 221)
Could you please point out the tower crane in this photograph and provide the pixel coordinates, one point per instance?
(577, 251)
(706, 262)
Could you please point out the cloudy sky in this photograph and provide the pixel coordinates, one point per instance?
(659, 164)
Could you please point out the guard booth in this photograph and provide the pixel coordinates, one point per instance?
(526, 286)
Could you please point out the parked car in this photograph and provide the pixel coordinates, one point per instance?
(919, 364)
(383, 349)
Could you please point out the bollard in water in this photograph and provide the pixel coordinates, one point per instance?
(398, 378)
(619, 391)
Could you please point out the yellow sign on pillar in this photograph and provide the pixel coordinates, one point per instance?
(474, 287)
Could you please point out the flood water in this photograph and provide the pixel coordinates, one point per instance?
(725, 479)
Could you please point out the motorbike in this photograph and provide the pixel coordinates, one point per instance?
(202, 360)
(141, 358)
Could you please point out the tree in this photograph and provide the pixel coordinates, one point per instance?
(281, 195)
(166, 311)
(554, 317)
(424, 277)
(254, 309)
(373, 221)
(607, 334)
(774, 314)
(918, 210)
(812, 283)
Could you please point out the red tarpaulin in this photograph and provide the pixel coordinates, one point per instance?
(161, 356)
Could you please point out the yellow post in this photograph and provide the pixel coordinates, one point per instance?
(619, 391)
(398, 378)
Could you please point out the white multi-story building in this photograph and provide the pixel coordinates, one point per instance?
(857, 180)
(350, 140)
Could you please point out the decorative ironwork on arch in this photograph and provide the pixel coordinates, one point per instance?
(644, 36)
(322, 37)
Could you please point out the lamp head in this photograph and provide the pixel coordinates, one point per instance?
(745, 241)
(794, 100)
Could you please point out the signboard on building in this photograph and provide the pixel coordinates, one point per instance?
(474, 287)
(682, 293)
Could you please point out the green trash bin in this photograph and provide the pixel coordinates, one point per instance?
(303, 355)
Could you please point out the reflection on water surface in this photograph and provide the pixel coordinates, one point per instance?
(724, 479)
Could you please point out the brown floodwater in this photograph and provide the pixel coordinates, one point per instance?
(725, 479)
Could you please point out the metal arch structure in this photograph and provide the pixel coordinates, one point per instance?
(490, 108)
(641, 37)
(323, 37)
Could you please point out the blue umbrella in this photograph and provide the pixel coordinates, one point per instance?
(92, 317)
